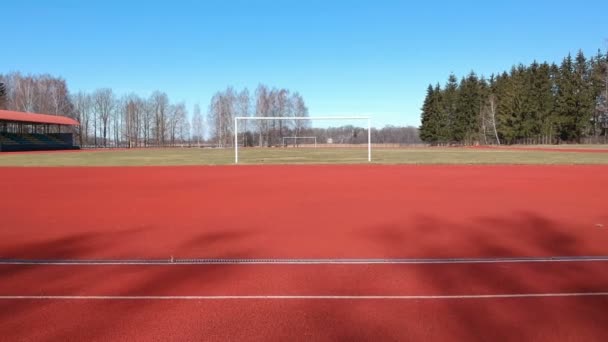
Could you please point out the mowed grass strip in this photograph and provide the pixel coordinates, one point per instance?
(199, 156)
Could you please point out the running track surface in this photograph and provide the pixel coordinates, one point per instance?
(310, 212)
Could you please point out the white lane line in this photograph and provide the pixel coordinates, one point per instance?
(312, 297)
(270, 261)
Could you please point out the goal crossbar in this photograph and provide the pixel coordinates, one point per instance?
(236, 128)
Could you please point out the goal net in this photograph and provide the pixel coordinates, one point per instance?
(325, 139)
(299, 141)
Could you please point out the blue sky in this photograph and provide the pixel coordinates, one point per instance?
(345, 57)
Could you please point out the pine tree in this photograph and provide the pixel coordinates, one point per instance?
(428, 133)
(538, 103)
(448, 104)
(585, 99)
(507, 121)
(599, 89)
(433, 127)
(565, 100)
(443, 129)
(467, 110)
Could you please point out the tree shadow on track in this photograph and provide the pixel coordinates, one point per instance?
(519, 235)
(163, 281)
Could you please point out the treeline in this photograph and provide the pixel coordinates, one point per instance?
(111, 120)
(34, 93)
(539, 103)
(266, 102)
(349, 134)
(106, 119)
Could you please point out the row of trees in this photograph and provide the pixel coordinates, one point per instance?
(108, 119)
(130, 120)
(35, 94)
(349, 134)
(105, 118)
(2, 96)
(538, 103)
(279, 102)
(267, 102)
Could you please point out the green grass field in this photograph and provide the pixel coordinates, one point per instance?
(198, 156)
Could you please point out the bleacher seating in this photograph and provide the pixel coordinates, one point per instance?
(10, 142)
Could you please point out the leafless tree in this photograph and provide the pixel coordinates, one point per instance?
(83, 106)
(177, 122)
(24, 94)
(132, 117)
(299, 109)
(221, 115)
(3, 100)
(262, 108)
(104, 103)
(197, 125)
(160, 103)
(244, 110)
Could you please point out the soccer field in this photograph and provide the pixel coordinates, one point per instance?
(208, 156)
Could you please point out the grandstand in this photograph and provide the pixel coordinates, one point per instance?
(35, 132)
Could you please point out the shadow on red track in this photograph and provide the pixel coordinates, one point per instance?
(471, 320)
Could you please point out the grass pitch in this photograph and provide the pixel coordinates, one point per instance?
(204, 156)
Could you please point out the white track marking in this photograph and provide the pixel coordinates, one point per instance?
(296, 261)
(313, 297)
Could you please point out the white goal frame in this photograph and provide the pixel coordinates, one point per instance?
(296, 140)
(326, 118)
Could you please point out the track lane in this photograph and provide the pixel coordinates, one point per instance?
(304, 280)
(355, 211)
(521, 319)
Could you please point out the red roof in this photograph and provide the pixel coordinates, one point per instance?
(7, 115)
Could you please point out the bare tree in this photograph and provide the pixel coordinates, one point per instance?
(3, 100)
(262, 108)
(244, 109)
(177, 122)
(104, 103)
(160, 103)
(24, 94)
(197, 124)
(299, 109)
(221, 116)
(132, 114)
(82, 110)
(147, 121)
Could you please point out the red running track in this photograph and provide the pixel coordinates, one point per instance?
(305, 212)
(518, 318)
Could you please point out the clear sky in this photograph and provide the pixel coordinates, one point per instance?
(345, 57)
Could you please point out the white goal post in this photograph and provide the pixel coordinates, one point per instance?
(295, 139)
(326, 118)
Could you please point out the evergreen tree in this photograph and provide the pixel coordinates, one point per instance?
(448, 104)
(599, 88)
(443, 129)
(585, 99)
(544, 90)
(433, 123)
(428, 133)
(565, 100)
(574, 98)
(538, 103)
(467, 110)
(507, 113)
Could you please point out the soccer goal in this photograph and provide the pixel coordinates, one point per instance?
(328, 133)
(294, 141)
